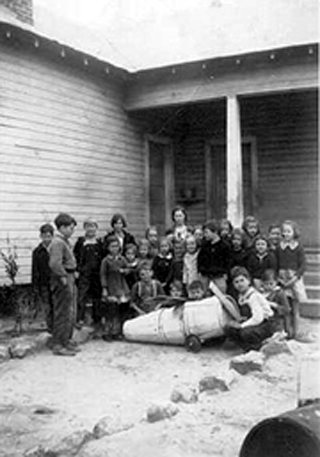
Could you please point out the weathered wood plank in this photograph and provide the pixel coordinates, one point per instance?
(175, 91)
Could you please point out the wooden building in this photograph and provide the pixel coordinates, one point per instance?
(227, 136)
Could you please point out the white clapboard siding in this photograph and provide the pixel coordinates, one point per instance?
(66, 144)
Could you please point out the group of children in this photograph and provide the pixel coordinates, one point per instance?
(118, 277)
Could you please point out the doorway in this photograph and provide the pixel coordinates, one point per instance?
(160, 181)
(216, 178)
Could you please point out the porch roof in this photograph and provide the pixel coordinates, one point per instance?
(145, 35)
(200, 34)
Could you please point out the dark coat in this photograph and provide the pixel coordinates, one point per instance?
(40, 276)
(213, 258)
(88, 256)
(128, 239)
(257, 266)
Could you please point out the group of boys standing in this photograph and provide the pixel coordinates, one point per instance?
(115, 278)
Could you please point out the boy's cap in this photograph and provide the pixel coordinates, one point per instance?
(90, 221)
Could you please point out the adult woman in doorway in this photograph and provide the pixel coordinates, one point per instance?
(179, 230)
(119, 225)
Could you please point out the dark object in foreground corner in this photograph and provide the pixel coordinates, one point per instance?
(292, 434)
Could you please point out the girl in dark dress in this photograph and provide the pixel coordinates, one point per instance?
(119, 225)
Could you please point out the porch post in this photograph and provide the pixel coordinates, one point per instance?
(234, 163)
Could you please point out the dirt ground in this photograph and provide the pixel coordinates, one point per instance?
(123, 379)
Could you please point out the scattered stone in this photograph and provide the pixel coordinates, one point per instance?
(70, 445)
(41, 341)
(245, 363)
(20, 349)
(4, 353)
(158, 412)
(82, 336)
(44, 410)
(37, 451)
(222, 381)
(275, 347)
(110, 425)
(184, 393)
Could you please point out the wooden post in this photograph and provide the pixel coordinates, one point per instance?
(234, 163)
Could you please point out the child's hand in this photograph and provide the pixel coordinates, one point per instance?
(233, 324)
(76, 274)
(292, 281)
(273, 305)
(64, 281)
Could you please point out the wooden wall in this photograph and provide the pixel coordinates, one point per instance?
(66, 144)
(285, 127)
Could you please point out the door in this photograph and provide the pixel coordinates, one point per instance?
(160, 185)
(216, 177)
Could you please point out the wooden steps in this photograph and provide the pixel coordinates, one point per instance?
(311, 308)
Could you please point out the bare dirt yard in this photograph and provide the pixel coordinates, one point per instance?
(45, 398)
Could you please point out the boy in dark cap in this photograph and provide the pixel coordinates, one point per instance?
(88, 252)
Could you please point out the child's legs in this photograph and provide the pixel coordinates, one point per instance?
(95, 294)
(111, 316)
(83, 289)
(125, 312)
(253, 336)
(46, 305)
(62, 298)
(74, 297)
(299, 291)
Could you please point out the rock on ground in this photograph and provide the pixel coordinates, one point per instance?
(110, 425)
(82, 336)
(37, 451)
(245, 363)
(20, 349)
(275, 347)
(4, 353)
(184, 393)
(41, 341)
(70, 445)
(222, 381)
(160, 411)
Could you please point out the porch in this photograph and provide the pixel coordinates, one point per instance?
(233, 157)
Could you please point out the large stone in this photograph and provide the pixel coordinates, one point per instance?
(37, 451)
(4, 353)
(82, 336)
(221, 381)
(246, 363)
(41, 341)
(20, 349)
(160, 411)
(110, 425)
(184, 393)
(70, 445)
(275, 347)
